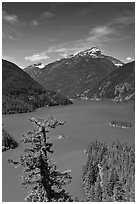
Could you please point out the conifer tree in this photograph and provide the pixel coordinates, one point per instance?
(109, 174)
(40, 174)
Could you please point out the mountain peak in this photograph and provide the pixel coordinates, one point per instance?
(93, 51)
(39, 65)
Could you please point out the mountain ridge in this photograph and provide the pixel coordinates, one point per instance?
(21, 93)
(119, 85)
(76, 73)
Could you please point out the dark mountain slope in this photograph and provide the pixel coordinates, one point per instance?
(119, 85)
(75, 74)
(15, 81)
(22, 94)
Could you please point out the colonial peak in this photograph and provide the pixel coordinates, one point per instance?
(94, 51)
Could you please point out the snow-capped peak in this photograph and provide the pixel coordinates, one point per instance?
(94, 52)
(39, 65)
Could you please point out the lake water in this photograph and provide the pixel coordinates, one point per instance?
(85, 122)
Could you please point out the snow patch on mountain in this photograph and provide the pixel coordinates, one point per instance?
(118, 64)
(94, 52)
(39, 65)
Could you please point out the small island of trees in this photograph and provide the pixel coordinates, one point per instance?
(121, 124)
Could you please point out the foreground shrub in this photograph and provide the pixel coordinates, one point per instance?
(109, 174)
(8, 141)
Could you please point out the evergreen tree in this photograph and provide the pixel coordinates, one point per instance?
(98, 191)
(109, 174)
(45, 180)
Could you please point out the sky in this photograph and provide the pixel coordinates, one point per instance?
(43, 32)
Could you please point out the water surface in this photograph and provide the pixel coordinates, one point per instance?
(85, 122)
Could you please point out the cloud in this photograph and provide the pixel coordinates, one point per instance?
(34, 22)
(123, 20)
(9, 18)
(37, 57)
(63, 55)
(13, 60)
(10, 26)
(129, 59)
(62, 50)
(9, 58)
(10, 33)
(100, 32)
(7, 36)
(107, 33)
(47, 15)
(115, 29)
(97, 36)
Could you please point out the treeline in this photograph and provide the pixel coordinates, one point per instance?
(27, 103)
(121, 124)
(12, 105)
(109, 174)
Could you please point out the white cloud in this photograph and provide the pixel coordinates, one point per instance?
(123, 20)
(97, 36)
(129, 59)
(10, 18)
(7, 36)
(105, 33)
(9, 58)
(101, 34)
(47, 15)
(62, 50)
(35, 23)
(10, 25)
(101, 30)
(37, 57)
(63, 54)
(10, 33)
